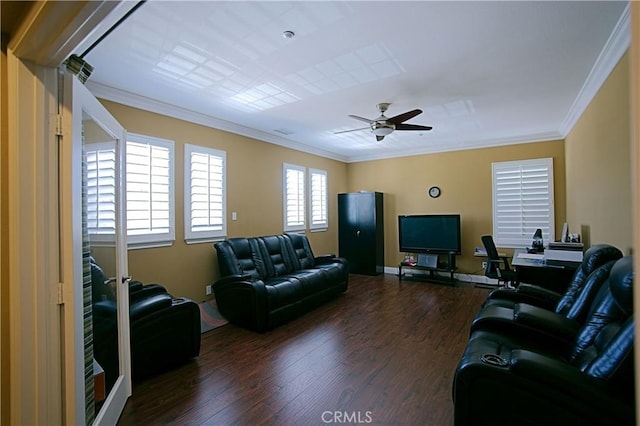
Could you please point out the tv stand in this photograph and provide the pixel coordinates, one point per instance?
(448, 266)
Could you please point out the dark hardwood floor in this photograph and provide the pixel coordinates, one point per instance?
(383, 353)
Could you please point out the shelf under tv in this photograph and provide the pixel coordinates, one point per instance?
(449, 267)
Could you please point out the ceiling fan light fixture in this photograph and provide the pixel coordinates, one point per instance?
(382, 129)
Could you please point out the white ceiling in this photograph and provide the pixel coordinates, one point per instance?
(484, 73)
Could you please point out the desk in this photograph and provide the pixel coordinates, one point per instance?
(552, 274)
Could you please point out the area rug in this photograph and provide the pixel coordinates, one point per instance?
(210, 317)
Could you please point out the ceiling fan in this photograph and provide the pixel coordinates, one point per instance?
(383, 126)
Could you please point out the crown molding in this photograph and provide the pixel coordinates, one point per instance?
(127, 98)
(614, 48)
(462, 146)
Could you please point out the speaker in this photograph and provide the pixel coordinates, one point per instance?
(428, 260)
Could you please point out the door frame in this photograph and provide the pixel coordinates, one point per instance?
(32, 388)
(35, 380)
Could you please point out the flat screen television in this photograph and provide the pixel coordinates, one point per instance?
(430, 233)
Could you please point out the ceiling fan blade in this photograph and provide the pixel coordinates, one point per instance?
(352, 130)
(379, 138)
(404, 117)
(361, 118)
(412, 127)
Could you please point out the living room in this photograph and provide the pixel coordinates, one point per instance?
(594, 191)
(255, 176)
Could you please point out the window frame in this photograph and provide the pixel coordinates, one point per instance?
(322, 225)
(541, 185)
(160, 239)
(199, 236)
(301, 216)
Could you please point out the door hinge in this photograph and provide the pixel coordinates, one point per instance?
(58, 124)
(60, 294)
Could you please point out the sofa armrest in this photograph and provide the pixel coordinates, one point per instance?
(539, 325)
(242, 300)
(105, 309)
(528, 293)
(232, 279)
(545, 321)
(145, 291)
(135, 285)
(508, 390)
(324, 258)
(147, 305)
(165, 336)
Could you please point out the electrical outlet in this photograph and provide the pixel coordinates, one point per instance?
(484, 265)
(208, 290)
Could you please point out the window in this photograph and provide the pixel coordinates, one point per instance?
(522, 201)
(294, 197)
(205, 194)
(149, 191)
(101, 190)
(318, 216)
(150, 199)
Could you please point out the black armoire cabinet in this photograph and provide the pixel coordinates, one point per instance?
(361, 231)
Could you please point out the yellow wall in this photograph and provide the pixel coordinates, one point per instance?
(465, 180)
(598, 151)
(254, 191)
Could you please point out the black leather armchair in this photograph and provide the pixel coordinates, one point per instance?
(504, 379)
(164, 330)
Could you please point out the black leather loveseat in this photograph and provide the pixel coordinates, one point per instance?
(269, 280)
(164, 330)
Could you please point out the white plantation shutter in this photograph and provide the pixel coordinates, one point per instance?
(101, 190)
(205, 193)
(294, 197)
(318, 199)
(523, 201)
(150, 205)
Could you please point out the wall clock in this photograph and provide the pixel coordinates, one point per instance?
(434, 192)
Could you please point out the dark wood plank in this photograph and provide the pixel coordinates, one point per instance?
(383, 353)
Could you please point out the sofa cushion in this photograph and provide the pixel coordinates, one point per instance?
(336, 272)
(311, 281)
(276, 255)
(241, 262)
(302, 255)
(282, 292)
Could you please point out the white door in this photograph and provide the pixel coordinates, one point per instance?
(96, 316)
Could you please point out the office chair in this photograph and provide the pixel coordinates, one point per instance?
(498, 266)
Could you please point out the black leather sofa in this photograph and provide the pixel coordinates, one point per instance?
(545, 314)
(267, 281)
(506, 377)
(595, 256)
(164, 330)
